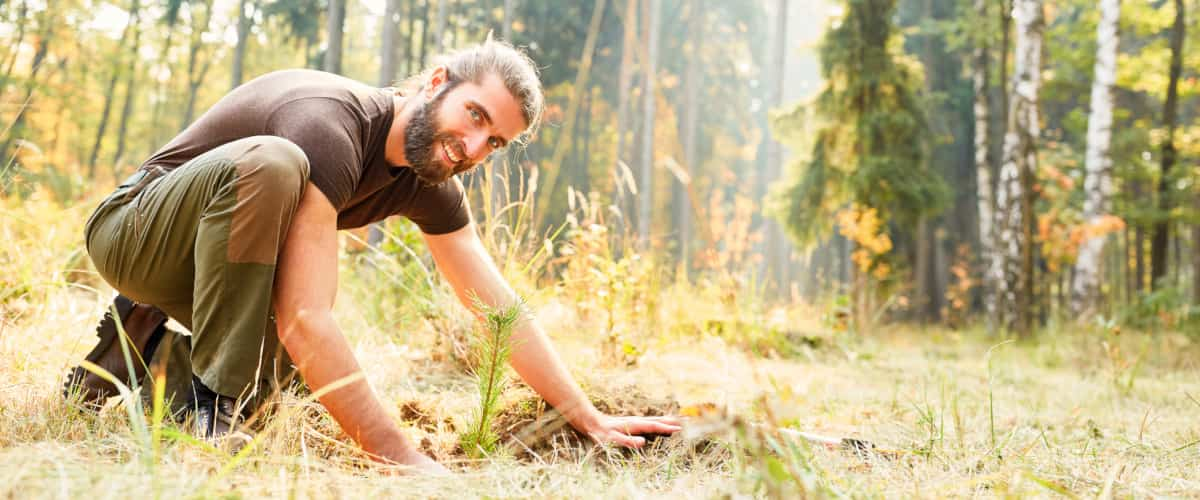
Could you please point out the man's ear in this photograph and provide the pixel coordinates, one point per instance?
(437, 78)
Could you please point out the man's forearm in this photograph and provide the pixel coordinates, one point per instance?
(535, 360)
(324, 358)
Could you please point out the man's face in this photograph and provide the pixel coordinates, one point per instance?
(459, 125)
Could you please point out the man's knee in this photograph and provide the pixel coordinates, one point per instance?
(272, 162)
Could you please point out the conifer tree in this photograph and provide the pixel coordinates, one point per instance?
(870, 137)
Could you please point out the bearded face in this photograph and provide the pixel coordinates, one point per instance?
(427, 147)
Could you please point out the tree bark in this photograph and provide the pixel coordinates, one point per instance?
(439, 26)
(18, 123)
(424, 34)
(776, 245)
(692, 83)
(245, 21)
(110, 91)
(334, 27)
(127, 107)
(624, 89)
(1097, 186)
(983, 168)
(646, 187)
(1196, 252)
(22, 20)
(196, 74)
(571, 121)
(1012, 267)
(387, 49)
(1162, 228)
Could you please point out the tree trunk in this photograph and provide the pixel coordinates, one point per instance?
(624, 89)
(571, 121)
(1196, 252)
(1162, 228)
(154, 137)
(333, 51)
(410, 12)
(1012, 267)
(646, 186)
(387, 74)
(110, 91)
(775, 261)
(692, 83)
(22, 20)
(983, 168)
(18, 123)
(1097, 186)
(196, 75)
(506, 29)
(127, 107)
(245, 21)
(439, 27)
(387, 49)
(424, 34)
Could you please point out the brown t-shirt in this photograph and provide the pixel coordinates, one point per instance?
(342, 126)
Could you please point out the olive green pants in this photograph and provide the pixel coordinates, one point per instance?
(200, 243)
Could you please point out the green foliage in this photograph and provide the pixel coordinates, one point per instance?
(870, 140)
(489, 353)
(1167, 307)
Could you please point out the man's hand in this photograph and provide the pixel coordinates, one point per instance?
(625, 431)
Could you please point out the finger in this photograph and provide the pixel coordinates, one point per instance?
(629, 441)
(646, 426)
(668, 419)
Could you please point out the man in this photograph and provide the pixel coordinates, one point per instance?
(237, 217)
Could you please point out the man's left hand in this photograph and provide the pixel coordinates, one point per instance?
(625, 431)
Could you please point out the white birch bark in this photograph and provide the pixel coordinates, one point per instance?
(1020, 157)
(983, 171)
(1097, 184)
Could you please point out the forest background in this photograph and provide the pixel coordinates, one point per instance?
(701, 130)
(788, 176)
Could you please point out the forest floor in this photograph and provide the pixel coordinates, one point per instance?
(1073, 414)
(1075, 411)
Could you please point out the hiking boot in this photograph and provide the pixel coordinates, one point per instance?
(144, 326)
(217, 418)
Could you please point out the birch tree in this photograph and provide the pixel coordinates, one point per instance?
(1097, 184)
(1011, 267)
(983, 169)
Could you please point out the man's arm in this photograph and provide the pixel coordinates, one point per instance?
(462, 259)
(305, 286)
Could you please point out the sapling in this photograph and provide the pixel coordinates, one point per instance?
(489, 353)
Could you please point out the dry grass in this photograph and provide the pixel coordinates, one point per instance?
(1073, 413)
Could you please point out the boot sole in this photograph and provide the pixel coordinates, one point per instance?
(94, 394)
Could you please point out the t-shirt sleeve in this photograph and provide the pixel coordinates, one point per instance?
(325, 130)
(440, 209)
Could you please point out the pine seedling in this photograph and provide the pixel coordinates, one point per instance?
(489, 354)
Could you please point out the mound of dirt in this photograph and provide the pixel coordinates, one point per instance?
(531, 430)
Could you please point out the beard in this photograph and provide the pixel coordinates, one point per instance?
(423, 140)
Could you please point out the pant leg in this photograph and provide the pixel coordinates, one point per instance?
(201, 243)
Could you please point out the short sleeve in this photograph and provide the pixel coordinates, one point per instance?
(440, 209)
(325, 130)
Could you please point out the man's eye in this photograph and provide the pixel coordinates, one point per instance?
(494, 143)
(475, 115)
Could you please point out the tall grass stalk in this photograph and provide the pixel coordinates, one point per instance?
(490, 351)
